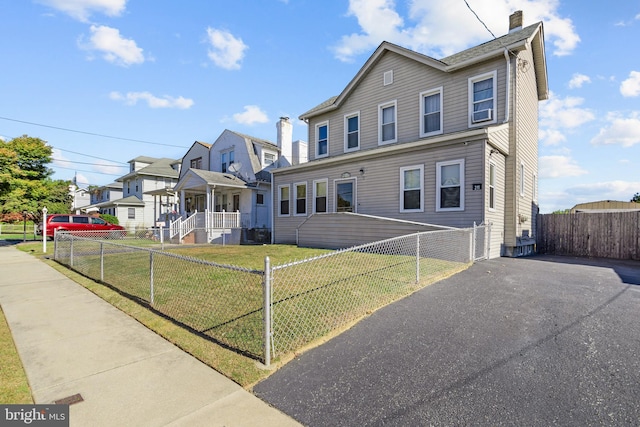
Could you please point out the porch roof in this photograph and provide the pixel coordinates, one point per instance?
(197, 179)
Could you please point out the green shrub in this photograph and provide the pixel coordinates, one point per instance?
(110, 218)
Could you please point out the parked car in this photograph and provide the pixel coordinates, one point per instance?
(92, 224)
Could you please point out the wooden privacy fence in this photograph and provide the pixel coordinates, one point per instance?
(603, 235)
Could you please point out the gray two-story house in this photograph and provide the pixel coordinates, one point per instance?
(417, 140)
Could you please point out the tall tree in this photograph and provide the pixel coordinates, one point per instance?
(25, 182)
(636, 198)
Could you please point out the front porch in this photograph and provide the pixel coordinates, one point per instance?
(207, 227)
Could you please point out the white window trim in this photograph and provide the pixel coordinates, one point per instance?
(402, 189)
(472, 80)
(423, 95)
(355, 193)
(295, 198)
(326, 183)
(489, 186)
(280, 214)
(264, 158)
(346, 132)
(534, 189)
(317, 145)
(393, 103)
(462, 173)
(522, 175)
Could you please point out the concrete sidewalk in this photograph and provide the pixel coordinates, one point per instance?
(73, 342)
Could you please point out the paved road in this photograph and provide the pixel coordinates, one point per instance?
(528, 342)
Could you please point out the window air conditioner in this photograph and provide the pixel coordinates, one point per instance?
(482, 115)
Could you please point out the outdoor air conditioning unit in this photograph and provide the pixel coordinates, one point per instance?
(482, 115)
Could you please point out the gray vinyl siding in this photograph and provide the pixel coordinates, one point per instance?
(495, 216)
(524, 145)
(335, 230)
(410, 78)
(378, 189)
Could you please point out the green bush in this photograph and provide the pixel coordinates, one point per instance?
(110, 218)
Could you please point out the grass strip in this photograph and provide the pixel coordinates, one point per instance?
(14, 387)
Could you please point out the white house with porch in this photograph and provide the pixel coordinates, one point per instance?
(225, 187)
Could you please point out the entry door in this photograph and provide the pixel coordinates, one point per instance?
(236, 202)
(345, 195)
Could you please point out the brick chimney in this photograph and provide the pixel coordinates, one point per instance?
(285, 141)
(515, 21)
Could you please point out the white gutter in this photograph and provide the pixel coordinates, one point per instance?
(508, 79)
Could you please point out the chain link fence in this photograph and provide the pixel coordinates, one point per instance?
(281, 309)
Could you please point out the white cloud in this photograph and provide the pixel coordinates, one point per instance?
(82, 9)
(81, 180)
(558, 167)
(564, 112)
(113, 46)
(132, 98)
(621, 130)
(59, 159)
(551, 136)
(227, 51)
(609, 190)
(440, 31)
(631, 86)
(252, 114)
(577, 80)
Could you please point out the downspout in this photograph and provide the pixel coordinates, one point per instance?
(272, 211)
(508, 80)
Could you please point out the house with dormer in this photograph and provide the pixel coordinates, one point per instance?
(448, 142)
(225, 187)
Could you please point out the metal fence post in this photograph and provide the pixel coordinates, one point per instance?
(70, 250)
(102, 261)
(151, 277)
(266, 308)
(162, 237)
(417, 258)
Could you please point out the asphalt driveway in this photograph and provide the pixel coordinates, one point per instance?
(529, 342)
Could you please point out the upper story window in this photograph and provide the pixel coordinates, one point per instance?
(482, 99)
(196, 163)
(352, 132)
(522, 179)
(226, 160)
(450, 186)
(387, 130)
(431, 112)
(412, 189)
(322, 139)
(269, 158)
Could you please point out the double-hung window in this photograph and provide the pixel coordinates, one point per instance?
(223, 162)
(322, 140)
(431, 112)
(388, 130)
(301, 198)
(345, 195)
(352, 132)
(283, 207)
(412, 189)
(450, 186)
(320, 196)
(482, 99)
(196, 163)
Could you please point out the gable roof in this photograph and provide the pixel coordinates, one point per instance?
(159, 167)
(196, 178)
(533, 35)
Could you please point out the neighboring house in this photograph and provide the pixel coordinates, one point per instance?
(101, 198)
(450, 142)
(80, 198)
(147, 198)
(231, 175)
(605, 206)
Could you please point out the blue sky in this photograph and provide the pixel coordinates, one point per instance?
(160, 74)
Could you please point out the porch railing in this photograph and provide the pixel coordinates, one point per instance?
(222, 220)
